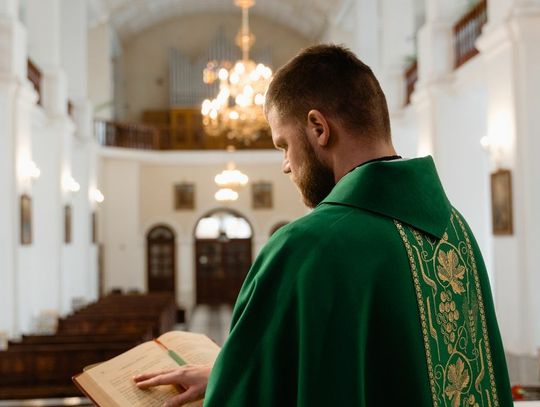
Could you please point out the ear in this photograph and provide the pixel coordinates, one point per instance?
(318, 127)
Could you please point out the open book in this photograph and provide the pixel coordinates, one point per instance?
(110, 384)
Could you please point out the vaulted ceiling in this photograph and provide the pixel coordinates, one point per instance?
(129, 17)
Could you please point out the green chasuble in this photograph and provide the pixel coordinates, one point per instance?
(378, 297)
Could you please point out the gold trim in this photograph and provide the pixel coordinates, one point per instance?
(422, 311)
(482, 311)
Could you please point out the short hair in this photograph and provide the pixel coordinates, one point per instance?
(331, 79)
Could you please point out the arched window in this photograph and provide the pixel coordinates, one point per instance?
(223, 256)
(161, 259)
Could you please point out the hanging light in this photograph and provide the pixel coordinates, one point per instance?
(237, 109)
(231, 177)
(226, 195)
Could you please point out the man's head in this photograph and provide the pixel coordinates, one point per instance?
(327, 112)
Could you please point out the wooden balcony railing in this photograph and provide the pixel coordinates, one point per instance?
(35, 76)
(466, 32)
(411, 77)
(175, 129)
(137, 136)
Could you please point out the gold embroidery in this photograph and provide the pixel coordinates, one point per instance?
(482, 312)
(459, 379)
(422, 312)
(448, 290)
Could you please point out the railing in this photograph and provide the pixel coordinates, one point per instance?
(175, 129)
(411, 77)
(137, 136)
(34, 76)
(466, 32)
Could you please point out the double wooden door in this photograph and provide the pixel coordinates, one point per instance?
(221, 267)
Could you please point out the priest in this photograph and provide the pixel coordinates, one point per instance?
(377, 297)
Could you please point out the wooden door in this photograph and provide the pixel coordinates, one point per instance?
(222, 265)
(161, 259)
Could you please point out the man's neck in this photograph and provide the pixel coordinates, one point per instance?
(353, 157)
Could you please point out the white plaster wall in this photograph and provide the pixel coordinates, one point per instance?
(462, 163)
(100, 70)
(146, 181)
(120, 214)
(7, 208)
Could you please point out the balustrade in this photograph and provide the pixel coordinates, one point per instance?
(466, 32)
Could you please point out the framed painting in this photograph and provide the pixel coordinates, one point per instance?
(262, 196)
(67, 224)
(94, 227)
(26, 220)
(184, 196)
(501, 202)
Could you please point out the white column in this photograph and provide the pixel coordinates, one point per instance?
(367, 35)
(73, 54)
(396, 47)
(435, 67)
(43, 18)
(12, 75)
(511, 54)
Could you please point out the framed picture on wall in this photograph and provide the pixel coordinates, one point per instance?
(184, 196)
(261, 194)
(26, 220)
(67, 224)
(501, 202)
(94, 227)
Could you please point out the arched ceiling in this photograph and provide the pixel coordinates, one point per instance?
(129, 17)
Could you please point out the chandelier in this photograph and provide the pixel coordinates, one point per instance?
(237, 111)
(230, 181)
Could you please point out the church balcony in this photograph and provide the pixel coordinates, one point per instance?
(466, 32)
(174, 129)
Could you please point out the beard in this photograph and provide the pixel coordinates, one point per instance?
(315, 180)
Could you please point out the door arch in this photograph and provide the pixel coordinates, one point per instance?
(161, 259)
(223, 241)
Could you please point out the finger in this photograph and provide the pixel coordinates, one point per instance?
(146, 376)
(167, 378)
(191, 394)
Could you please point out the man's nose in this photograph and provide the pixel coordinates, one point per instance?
(285, 167)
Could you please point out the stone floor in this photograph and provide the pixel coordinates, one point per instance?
(213, 321)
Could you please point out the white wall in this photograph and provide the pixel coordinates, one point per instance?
(100, 70)
(145, 181)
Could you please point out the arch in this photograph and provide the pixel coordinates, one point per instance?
(161, 259)
(222, 256)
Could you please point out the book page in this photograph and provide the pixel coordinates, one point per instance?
(193, 348)
(115, 377)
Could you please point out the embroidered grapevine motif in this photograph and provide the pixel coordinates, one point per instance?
(452, 318)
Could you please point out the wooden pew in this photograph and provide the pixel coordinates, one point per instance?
(41, 366)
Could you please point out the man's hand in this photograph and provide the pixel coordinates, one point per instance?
(192, 378)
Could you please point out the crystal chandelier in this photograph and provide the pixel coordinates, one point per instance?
(237, 111)
(230, 181)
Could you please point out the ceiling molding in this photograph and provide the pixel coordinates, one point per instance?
(129, 17)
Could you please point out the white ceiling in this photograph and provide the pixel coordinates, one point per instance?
(308, 17)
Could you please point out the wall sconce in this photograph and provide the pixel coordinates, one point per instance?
(30, 171)
(96, 195)
(71, 185)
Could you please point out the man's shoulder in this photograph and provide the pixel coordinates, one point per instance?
(329, 225)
